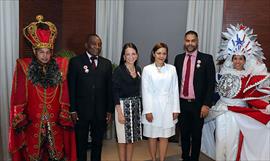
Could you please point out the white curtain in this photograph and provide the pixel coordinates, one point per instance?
(109, 26)
(205, 17)
(9, 52)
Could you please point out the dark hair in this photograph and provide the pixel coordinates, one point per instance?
(191, 32)
(155, 48)
(127, 45)
(89, 36)
(241, 55)
(220, 62)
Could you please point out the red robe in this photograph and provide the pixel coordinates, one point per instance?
(253, 95)
(40, 122)
(249, 92)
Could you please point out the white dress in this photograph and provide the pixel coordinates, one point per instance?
(160, 97)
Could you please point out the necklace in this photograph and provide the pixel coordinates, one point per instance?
(45, 96)
(131, 69)
(159, 67)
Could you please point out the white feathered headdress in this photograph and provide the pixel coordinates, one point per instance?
(240, 40)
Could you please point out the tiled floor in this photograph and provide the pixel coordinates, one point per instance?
(110, 152)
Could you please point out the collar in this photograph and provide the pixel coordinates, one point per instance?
(154, 64)
(226, 70)
(193, 54)
(90, 55)
(51, 78)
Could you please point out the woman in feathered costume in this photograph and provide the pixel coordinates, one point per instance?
(242, 113)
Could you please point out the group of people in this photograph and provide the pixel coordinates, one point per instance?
(55, 102)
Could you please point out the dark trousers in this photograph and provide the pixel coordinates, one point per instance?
(97, 130)
(191, 129)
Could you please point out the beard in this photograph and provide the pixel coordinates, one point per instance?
(190, 48)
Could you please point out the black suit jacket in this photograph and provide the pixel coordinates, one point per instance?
(204, 77)
(90, 89)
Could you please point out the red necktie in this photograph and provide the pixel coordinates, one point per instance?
(186, 82)
(93, 58)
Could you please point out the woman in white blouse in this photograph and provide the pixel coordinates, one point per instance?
(160, 101)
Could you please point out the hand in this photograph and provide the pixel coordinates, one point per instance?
(121, 118)
(264, 111)
(108, 117)
(175, 116)
(204, 111)
(74, 117)
(149, 117)
(267, 108)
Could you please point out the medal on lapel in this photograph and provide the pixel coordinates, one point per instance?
(85, 67)
(198, 65)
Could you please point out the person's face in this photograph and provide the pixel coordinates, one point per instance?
(191, 43)
(238, 62)
(43, 55)
(160, 56)
(130, 55)
(94, 45)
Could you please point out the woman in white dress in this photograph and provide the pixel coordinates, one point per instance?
(160, 101)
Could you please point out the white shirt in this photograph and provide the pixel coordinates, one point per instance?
(89, 56)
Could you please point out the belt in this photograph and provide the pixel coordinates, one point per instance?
(187, 100)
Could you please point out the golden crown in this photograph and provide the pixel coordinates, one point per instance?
(41, 34)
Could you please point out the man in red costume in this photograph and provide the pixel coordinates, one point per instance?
(40, 124)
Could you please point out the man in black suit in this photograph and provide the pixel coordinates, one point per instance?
(196, 77)
(90, 89)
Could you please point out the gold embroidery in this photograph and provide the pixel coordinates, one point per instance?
(46, 97)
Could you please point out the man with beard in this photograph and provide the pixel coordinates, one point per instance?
(196, 77)
(41, 127)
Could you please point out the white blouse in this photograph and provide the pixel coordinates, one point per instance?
(160, 95)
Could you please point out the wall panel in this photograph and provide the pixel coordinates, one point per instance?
(51, 10)
(73, 19)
